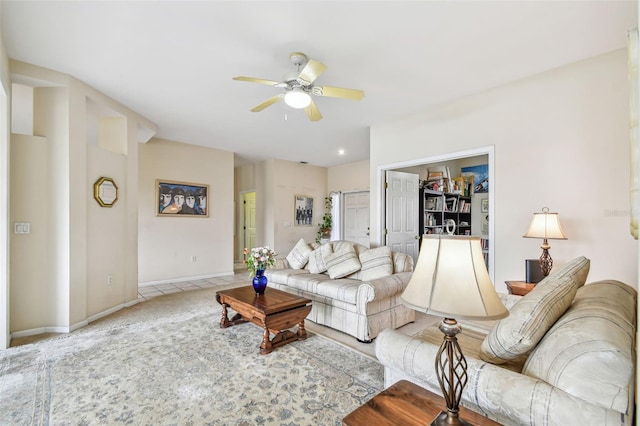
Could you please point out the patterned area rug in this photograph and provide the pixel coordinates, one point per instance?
(166, 361)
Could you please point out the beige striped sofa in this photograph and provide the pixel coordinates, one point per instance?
(565, 355)
(354, 289)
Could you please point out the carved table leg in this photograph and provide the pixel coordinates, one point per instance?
(265, 346)
(302, 332)
(224, 321)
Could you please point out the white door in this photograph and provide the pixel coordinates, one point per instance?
(401, 226)
(356, 217)
(249, 215)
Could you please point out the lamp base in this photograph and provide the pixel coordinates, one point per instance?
(443, 419)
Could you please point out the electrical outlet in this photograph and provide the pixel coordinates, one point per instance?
(109, 279)
(193, 259)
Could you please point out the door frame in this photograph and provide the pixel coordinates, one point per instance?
(489, 151)
(5, 248)
(240, 225)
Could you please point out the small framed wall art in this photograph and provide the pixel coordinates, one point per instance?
(176, 198)
(105, 191)
(303, 210)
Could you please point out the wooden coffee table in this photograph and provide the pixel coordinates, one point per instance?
(407, 404)
(275, 312)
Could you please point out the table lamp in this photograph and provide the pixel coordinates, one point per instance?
(451, 280)
(545, 225)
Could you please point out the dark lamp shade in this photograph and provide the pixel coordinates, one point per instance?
(451, 280)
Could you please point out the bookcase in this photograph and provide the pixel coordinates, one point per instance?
(437, 207)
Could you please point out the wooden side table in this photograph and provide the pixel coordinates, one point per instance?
(407, 404)
(519, 288)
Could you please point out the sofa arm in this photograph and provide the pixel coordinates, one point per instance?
(380, 289)
(510, 398)
(508, 300)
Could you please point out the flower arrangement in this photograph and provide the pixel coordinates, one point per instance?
(259, 258)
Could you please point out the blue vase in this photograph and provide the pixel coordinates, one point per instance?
(259, 281)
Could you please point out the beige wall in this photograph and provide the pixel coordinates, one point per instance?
(5, 119)
(291, 179)
(561, 140)
(30, 273)
(348, 177)
(84, 243)
(166, 244)
(276, 183)
(107, 253)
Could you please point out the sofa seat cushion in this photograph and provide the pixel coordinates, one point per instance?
(343, 289)
(282, 275)
(531, 317)
(589, 352)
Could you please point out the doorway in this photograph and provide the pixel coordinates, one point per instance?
(248, 220)
(419, 166)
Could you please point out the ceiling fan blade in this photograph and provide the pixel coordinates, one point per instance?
(256, 80)
(272, 100)
(310, 72)
(313, 112)
(338, 92)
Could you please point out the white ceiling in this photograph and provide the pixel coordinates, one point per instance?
(173, 61)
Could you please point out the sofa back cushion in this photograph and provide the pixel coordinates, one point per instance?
(531, 317)
(589, 352)
(402, 262)
(342, 262)
(376, 263)
(316, 263)
(299, 254)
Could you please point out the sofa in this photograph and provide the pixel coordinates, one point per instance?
(564, 356)
(354, 289)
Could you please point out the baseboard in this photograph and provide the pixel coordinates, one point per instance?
(73, 327)
(183, 279)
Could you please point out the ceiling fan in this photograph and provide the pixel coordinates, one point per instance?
(299, 85)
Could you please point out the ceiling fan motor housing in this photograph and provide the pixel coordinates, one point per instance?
(298, 59)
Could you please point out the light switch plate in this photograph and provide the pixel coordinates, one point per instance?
(21, 228)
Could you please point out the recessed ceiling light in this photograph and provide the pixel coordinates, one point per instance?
(341, 152)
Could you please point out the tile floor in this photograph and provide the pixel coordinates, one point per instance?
(150, 291)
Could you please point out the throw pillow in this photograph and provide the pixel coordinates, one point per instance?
(532, 316)
(316, 259)
(299, 254)
(376, 263)
(342, 262)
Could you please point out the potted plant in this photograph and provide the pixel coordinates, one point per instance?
(327, 221)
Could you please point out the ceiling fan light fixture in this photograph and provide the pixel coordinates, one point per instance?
(297, 98)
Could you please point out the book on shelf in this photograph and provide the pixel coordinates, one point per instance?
(464, 206)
